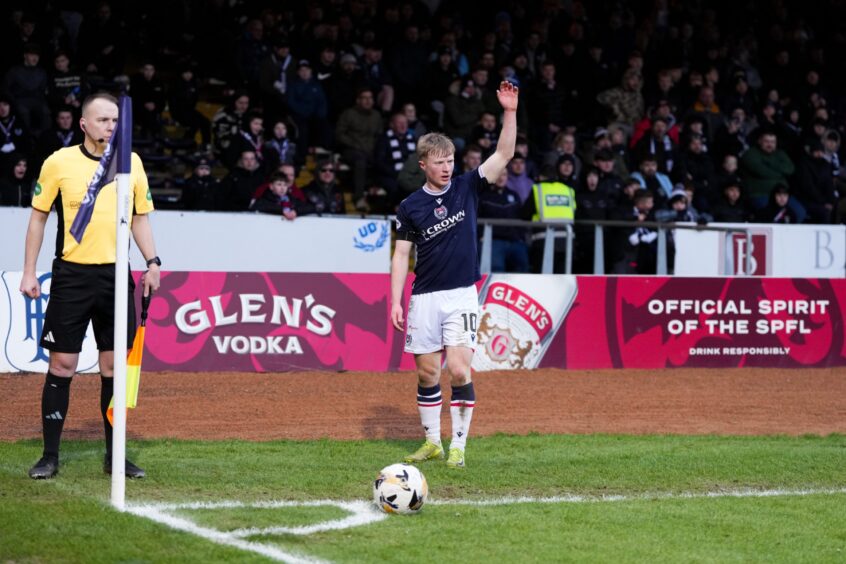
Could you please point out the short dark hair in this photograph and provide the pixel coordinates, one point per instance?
(98, 96)
(642, 194)
(279, 176)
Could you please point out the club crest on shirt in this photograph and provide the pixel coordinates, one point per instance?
(440, 212)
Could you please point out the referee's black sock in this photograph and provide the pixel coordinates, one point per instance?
(54, 408)
(107, 389)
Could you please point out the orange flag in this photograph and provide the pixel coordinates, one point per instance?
(133, 363)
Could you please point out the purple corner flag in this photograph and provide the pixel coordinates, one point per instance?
(116, 159)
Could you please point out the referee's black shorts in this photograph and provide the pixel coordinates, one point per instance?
(80, 293)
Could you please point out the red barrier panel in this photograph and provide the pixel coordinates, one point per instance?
(204, 321)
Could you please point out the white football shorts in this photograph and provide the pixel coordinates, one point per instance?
(439, 319)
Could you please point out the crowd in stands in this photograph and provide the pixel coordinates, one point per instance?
(704, 111)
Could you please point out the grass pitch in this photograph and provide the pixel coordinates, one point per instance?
(622, 498)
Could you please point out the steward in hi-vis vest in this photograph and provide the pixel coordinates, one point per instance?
(553, 201)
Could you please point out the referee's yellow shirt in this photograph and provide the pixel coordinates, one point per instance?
(64, 181)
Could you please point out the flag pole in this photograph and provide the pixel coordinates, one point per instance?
(123, 134)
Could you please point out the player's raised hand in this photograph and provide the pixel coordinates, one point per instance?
(396, 317)
(507, 95)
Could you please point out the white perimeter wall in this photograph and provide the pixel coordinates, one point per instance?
(233, 242)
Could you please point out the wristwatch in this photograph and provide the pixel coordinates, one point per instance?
(155, 260)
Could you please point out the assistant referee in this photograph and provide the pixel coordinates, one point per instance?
(83, 282)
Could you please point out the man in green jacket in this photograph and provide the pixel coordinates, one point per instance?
(762, 167)
(357, 130)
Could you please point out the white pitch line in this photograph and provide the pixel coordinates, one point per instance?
(219, 537)
(364, 513)
(639, 497)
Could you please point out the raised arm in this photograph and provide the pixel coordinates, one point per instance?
(399, 272)
(496, 163)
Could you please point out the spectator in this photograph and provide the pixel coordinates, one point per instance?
(522, 148)
(815, 185)
(642, 250)
(663, 90)
(148, 100)
(275, 72)
(278, 148)
(408, 61)
(625, 102)
(250, 51)
(377, 77)
(831, 144)
(519, 181)
(706, 106)
(551, 200)
(227, 122)
(697, 167)
(417, 127)
(663, 111)
(763, 167)
(326, 65)
(509, 252)
(462, 111)
(564, 144)
(742, 96)
(16, 186)
(658, 145)
(344, 85)
(679, 207)
(609, 183)
(249, 138)
(440, 74)
(593, 203)
(659, 185)
(487, 91)
(275, 199)
(486, 134)
(566, 169)
(26, 86)
(66, 86)
(777, 209)
(392, 150)
(731, 208)
(470, 160)
(202, 191)
(241, 183)
(728, 171)
(184, 96)
(323, 197)
(410, 177)
(62, 134)
(356, 133)
(548, 100)
(732, 137)
(101, 44)
(309, 110)
(14, 137)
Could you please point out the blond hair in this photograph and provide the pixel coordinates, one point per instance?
(436, 144)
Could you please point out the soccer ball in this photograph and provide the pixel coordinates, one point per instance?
(400, 488)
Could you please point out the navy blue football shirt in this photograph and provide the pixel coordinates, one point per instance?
(443, 226)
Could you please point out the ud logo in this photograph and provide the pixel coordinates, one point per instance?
(407, 340)
(21, 345)
(370, 237)
(440, 212)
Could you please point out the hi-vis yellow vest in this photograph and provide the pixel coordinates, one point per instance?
(553, 201)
